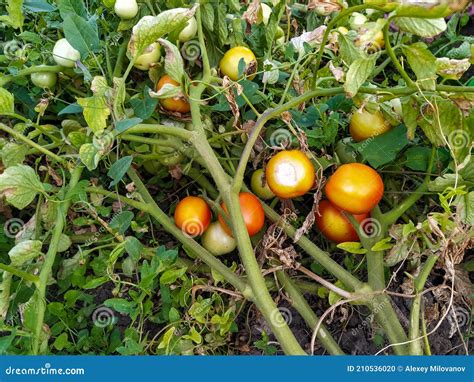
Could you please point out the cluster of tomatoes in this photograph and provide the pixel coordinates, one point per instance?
(354, 188)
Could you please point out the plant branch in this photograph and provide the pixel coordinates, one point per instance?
(33, 69)
(18, 272)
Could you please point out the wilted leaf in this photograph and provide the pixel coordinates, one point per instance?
(421, 27)
(423, 64)
(20, 185)
(96, 112)
(359, 71)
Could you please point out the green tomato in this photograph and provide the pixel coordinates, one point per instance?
(152, 166)
(217, 241)
(126, 9)
(64, 54)
(150, 56)
(260, 186)
(189, 31)
(44, 80)
(344, 152)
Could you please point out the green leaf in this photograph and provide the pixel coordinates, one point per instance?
(207, 16)
(383, 148)
(125, 124)
(194, 336)
(359, 71)
(13, 154)
(89, 155)
(423, 64)
(151, 28)
(121, 221)
(352, 247)
(20, 185)
(71, 7)
(174, 65)
(410, 111)
(81, 34)
(133, 247)
(171, 275)
(61, 342)
(37, 6)
(121, 305)
(421, 27)
(94, 283)
(349, 52)
(222, 28)
(144, 105)
(15, 15)
(6, 101)
(118, 169)
(96, 112)
(382, 245)
(333, 296)
(25, 251)
(467, 210)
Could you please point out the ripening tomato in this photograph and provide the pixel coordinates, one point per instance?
(150, 56)
(217, 241)
(259, 185)
(355, 188)
(290, 174)
(229, 64)
(192, 215)
(126, 9)
(64, 54)
(252, 211)
(334, 225)
(177, 104)
(365, 125)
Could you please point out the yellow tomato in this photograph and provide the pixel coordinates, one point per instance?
(365, 125)
(229, 64)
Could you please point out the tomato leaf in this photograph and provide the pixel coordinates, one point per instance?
(383, 148)
(118, 169)
(81, 34)
(423, 64)
(71, 7)
(15, 16)
(20, 184)
(89, 156)
(6, 101)
(352, 247)
(144, 105)
(421, 27)
(359, 71)
(24, 251)
(96, 112)
(174, 65)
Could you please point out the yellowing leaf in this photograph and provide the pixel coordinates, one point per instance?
(6, 101)
(15, 15)
(20, 184)
(96, 112)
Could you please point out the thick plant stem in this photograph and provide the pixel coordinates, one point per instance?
(299, 303)
(45, 273)
(414, 329)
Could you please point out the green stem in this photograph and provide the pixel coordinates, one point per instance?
(391, 54)
(299, 303)
(45, 273)
(120, 58)
(33, 69)
(17, 272)
(414, 328)
(160, 129)
(38, 147)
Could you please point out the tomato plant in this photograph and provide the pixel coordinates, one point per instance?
(340, 117)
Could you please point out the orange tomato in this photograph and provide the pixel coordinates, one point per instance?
(252, 211)
(334, 225)
(290, 174)
(355, 188)
(192, 215)
(177, 104)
